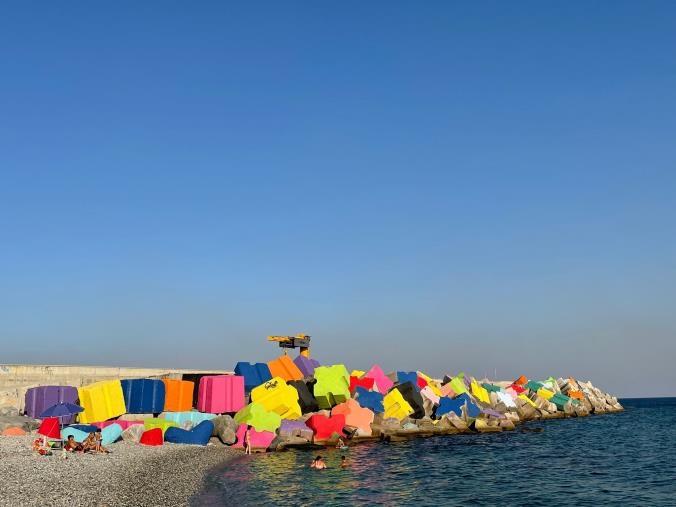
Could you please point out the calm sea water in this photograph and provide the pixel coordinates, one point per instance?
(627, 458)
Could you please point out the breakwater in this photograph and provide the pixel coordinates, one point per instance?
(286, 403)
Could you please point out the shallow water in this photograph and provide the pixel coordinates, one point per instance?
(627, 458)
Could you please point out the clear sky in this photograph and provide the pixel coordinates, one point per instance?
(429, 185)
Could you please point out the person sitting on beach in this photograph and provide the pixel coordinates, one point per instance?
(42, 447)
(72, 445)
(318, 463)
(343, 462)
(98, 438)
(89, 443)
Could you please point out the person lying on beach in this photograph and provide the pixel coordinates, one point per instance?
(72, 445)
(42, 447)
(318, 463)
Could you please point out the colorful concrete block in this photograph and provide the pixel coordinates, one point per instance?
(101, 400)
(324, 427)
(254, 414)
(366, 383)
(178, 395)
(332, 385)
(306, 365)
(355, 415)
(143, 396)
(370, 399)
(162, 424)
(39, 399)
(199, 435)
(396, 406)
(480, 393)
(306, 400)
(181, 418)
(220, 393)
(285, 368)
(428, 394)
(254, 374)
(257, 439)
(383, 383)
(278, 397)
(447, 405)
(152, 437)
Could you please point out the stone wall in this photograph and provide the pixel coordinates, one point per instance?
(15, 379)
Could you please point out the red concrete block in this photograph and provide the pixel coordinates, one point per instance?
(152, 437)
(324, 427)
(366, 383)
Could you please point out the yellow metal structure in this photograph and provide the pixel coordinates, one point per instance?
(301, 341)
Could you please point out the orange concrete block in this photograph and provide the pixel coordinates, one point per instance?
(178, 395)
(355, 414)
(576, 394)
(13, 432)
(521, 380)
(284, 367)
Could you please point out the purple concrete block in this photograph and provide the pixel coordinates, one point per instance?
(297, 428)
(38, 399)
(493, 413)
(306, 365)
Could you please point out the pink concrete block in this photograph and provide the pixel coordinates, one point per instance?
(220, 393)
(123, 424)
(383, 383)
(427, 393)
(259, 439)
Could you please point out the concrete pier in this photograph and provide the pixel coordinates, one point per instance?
(15, 379)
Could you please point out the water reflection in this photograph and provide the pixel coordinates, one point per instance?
(628, 458)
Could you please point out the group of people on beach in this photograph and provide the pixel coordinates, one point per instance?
(93, 443)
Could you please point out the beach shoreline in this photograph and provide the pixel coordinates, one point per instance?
(131, 475)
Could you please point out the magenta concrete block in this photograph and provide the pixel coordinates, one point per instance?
(123, 424)
(383, 383)
(220, 393)
(259, 439)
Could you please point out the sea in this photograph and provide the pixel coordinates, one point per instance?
(627, 458)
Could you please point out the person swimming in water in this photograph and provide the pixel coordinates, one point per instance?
(318, 463)
(340, 444)
(343, 462)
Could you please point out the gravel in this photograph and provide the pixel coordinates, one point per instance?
(131, 475)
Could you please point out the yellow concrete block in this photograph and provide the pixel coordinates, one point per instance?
(279, 397)
(396, 406)
(527, 399)
(480, 392)
(544, 393)
(357, 373)
(101, 401)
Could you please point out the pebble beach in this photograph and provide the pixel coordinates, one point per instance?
(131, 475)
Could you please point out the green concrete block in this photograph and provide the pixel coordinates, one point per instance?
(333, 385)
(254, 414)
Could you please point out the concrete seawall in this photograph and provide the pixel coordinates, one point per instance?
(15, 379)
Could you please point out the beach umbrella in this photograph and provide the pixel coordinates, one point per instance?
(61, 410)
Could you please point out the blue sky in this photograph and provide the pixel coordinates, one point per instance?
(436, 186)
